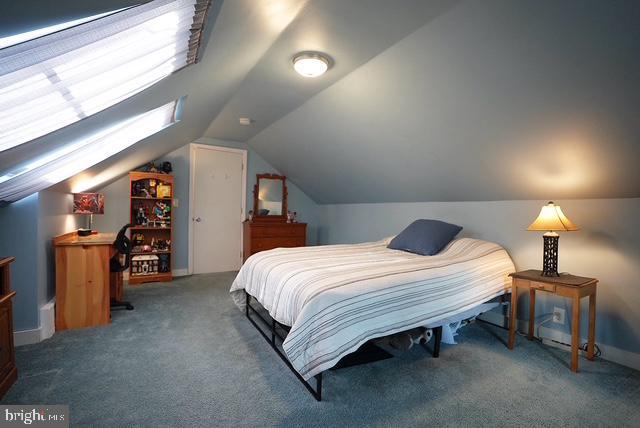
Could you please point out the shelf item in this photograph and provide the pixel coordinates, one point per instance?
(151, 197)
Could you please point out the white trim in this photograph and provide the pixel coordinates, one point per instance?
(27, 337)
(45, 331)
(180, 272)
(192, 150)
(48, 319)
(548, 335)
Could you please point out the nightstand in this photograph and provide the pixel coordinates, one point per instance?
(571, 286)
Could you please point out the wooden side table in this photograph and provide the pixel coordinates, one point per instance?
(571, 286)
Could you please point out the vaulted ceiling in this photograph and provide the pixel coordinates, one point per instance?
(427, 100)
(489, 100)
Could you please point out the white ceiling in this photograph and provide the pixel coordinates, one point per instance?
(428, 100)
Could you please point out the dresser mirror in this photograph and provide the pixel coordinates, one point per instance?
(270, 197)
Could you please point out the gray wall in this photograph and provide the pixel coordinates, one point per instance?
(117, 202)
(54, 218)
(27, 229)
(18, 238)
(607, 247)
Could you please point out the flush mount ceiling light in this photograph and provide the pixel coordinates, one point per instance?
(311, 64)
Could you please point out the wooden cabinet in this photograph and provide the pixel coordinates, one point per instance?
(266, 235)
(8, 370)
(82, 279)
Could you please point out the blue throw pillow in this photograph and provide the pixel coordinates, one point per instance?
(425, 237)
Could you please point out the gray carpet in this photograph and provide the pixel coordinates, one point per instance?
(187, 357)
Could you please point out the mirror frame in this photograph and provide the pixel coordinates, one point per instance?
(256, 190)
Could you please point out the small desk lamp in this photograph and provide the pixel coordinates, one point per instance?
(88, 203)
(551, 219)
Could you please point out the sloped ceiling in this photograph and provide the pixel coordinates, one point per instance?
(427, 100)
(240, 32)
(352, 32)
(246, 69)
(489, 100)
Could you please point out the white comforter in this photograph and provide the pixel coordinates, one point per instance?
(336, 297)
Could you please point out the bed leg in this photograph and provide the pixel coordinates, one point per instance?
(247, 300)
(273, 331)
(318, 393)
(437, 333)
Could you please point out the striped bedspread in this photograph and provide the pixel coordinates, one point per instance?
(336, 297)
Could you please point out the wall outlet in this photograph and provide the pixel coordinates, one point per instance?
(176, 203)
(558, 315)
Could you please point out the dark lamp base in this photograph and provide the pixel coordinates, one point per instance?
(550, 256)
(84, 232)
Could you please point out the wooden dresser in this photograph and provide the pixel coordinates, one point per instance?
(266, 235)
(8, 370)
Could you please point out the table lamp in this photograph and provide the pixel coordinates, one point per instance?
(88, 203)
(551, 219)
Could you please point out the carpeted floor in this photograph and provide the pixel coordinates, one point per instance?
(187, 357)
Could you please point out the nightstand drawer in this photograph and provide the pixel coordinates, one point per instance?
(542, 286)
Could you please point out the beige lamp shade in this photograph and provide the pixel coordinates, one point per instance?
(552, 218)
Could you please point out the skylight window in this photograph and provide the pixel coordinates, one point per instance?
(34, 34)
(72, 158)
(57, 79)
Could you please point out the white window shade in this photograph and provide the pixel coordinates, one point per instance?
(57, 79)
(75, 157)
(33, 34)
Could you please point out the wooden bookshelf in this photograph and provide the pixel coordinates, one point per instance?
(152, 228)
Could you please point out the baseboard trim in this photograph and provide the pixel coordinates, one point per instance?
(548, 335)
(180, 272)
(48, 319)
(45, 331)
(26, 337)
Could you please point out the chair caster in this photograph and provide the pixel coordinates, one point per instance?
(118, 304)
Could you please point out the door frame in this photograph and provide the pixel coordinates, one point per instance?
(192, 179)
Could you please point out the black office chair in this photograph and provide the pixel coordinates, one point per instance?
(123, 245)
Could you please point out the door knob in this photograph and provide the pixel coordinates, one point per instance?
(197, 219)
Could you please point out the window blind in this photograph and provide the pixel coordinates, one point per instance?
(76, 156)
(55, 80)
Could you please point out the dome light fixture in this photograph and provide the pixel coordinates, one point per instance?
(311, 64)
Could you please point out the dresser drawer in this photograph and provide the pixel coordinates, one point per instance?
(278, 231)
(261, 236)
(262, 244)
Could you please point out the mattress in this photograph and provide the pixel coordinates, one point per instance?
(337, 297)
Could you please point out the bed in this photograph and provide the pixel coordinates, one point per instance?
(332, 299)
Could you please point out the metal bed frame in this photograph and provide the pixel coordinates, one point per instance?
(272, 333)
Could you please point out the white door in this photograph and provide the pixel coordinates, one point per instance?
(218, 194)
